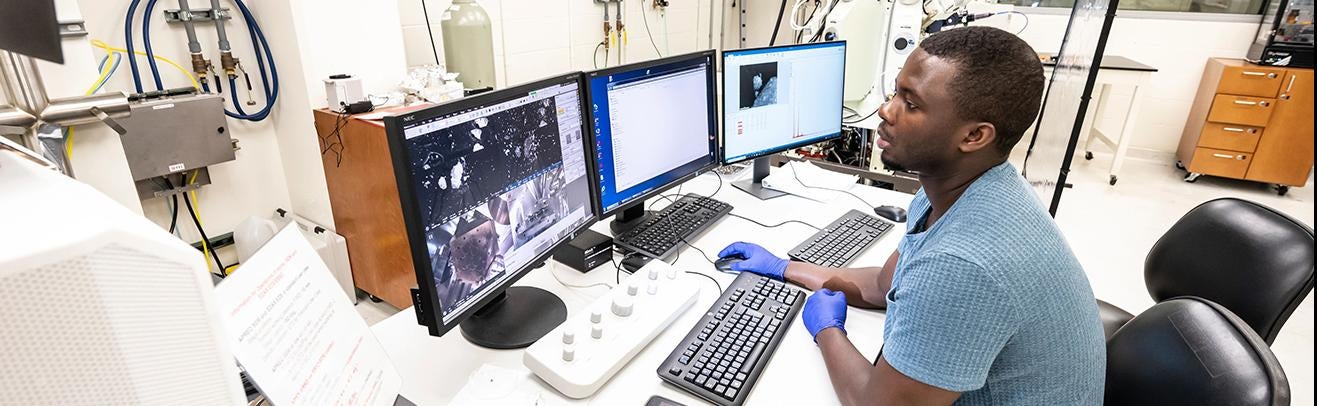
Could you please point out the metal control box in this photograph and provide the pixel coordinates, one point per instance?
(176, 134)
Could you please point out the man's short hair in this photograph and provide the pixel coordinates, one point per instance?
(998, 79)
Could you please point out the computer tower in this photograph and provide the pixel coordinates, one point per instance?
(1286, 35)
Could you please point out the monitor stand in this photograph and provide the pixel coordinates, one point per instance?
(755, 185)
(516, 318)
(629, 218)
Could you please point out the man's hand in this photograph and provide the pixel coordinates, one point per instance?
(824, 309)
(757, 260)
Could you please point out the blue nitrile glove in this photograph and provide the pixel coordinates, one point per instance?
(757, 260)
(825, 308)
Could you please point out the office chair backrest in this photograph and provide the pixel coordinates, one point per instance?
(1190, 351)
(1242, 255)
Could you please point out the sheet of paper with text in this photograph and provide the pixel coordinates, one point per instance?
(295, 332)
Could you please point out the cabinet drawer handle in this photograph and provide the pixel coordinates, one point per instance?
(1268, 75)
(1290, 86)
(1224, 156)
(1233, 129)
(1246, 102)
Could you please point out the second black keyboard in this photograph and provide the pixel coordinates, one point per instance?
(840, 242)
(722, 357)
(664, 231)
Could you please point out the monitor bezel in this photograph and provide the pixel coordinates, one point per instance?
(722, 134)
(433, 317)
(714, 119)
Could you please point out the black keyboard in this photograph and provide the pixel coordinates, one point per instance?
(724, 354)
(663, 232)
(840, 242)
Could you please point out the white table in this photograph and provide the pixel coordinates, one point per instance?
(434, 369)
(1116, 71)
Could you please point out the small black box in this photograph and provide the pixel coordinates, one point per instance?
(586, 251)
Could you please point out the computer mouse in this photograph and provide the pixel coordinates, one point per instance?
(892, 213)
(724, 264)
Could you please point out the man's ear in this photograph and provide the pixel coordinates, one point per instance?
(978, 136)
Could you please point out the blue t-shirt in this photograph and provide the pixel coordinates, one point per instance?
(991, 302)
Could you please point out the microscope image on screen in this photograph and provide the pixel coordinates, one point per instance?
(758, 85)
(536, 205)
(489, 189)
(476, 247)
(463, 165)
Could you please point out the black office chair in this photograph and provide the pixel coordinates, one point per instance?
(1242, 255)
(1190, 351)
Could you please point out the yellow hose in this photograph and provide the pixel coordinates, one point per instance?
(102, 45)
(196, 206)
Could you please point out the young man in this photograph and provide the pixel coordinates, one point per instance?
(986, 304)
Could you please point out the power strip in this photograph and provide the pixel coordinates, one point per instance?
(586, 350)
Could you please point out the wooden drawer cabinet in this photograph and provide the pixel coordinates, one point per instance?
(1230, 137)
(1250, 122)
(1231, 164)
(1251, 80)
(1231, 109)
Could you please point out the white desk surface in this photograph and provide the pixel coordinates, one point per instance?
(434, 369)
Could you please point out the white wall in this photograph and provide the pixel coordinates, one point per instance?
(1179, 49)
(536, 38)
(279, 164)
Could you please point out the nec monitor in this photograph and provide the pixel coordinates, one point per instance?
(654, 125)
(490, 185)
(779, 98)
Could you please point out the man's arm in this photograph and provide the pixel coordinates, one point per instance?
(864, 287)
(859, 383)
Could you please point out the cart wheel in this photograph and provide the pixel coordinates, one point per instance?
(1179, 165)
(1112, 181)
(1088, 155)
(375, 299)
(1192, 177)
(1282, 190)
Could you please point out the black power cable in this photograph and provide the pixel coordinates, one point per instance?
(205, 240)
(196, 221)
(777, 24)
(426, 10)
(715, 281)
(173, 221)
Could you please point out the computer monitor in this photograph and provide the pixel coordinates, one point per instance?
(654, 125)
(490, 185)
(779, 98)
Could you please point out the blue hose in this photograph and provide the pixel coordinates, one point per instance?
(128, 37)
(146, 38)
(269, 80)
(269, 76)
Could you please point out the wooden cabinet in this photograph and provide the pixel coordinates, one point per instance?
(364, 197)
(1250, 122)
(1286, 157)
